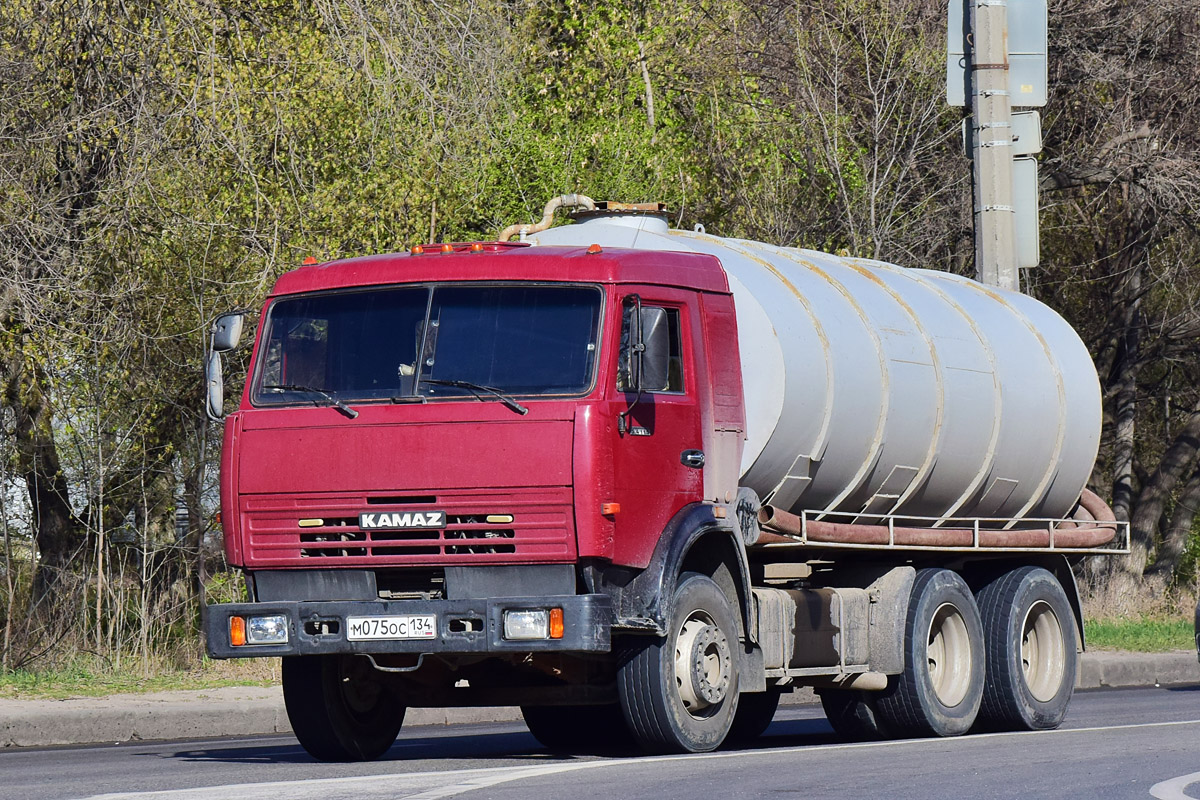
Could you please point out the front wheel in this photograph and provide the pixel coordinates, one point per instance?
(573, 728)
(852, 714)
(755, 712)
(339, 708)
(679, 693)
(1031, 651)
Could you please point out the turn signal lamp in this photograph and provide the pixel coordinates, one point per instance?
(610, 509)
(237, 631)
(556, 623)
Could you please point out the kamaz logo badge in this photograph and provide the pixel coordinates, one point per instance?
(406, 519)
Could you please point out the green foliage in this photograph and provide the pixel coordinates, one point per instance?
(1140, 635)
(1188, 572)
(165, 162)
(88, 676)
(226, 587)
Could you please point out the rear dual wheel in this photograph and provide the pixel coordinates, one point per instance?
(1032, 655)
(941, 688)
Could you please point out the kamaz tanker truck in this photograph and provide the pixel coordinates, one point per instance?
(641, 482)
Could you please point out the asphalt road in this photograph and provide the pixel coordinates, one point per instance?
(1125, 743)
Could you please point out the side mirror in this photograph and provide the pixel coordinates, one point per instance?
(227, 331)
(644, 363)
(654, 375)
(215, 384)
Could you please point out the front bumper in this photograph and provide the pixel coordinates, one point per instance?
(463, 626)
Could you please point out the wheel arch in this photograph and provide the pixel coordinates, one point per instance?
(695, 540)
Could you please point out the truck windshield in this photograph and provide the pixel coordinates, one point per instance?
(419, 342)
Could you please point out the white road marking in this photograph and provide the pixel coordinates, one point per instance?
(409, 786)
(449, 783)
(1173, 789)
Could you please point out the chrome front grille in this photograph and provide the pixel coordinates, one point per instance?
(341, 538)
(537, 524)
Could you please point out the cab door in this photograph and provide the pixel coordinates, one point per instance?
(658, 457)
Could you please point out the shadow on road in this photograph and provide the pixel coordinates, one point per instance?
(482, 746)
(1194, 687)
(473, 746)
(792, 733)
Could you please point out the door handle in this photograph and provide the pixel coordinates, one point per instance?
(692, 458)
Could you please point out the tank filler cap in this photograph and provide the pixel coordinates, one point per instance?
(650, 217)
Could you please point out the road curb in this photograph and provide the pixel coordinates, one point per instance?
(1108, 669)
(249, 711)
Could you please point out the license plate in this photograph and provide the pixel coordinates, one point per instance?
(419, 626)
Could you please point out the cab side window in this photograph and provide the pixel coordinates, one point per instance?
(675, 336)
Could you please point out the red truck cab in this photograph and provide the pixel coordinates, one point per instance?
(473, 451)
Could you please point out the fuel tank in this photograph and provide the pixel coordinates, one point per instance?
(872, 388)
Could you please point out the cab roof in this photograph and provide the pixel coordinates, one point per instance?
(504, 261)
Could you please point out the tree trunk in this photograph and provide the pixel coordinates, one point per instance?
(1179, 459)
(1175, 541)
(1125, 371)
(57, 532)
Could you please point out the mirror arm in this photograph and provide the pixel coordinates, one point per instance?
(637, 349)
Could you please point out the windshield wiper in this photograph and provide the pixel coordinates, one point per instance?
(476, 388)
(333, 401)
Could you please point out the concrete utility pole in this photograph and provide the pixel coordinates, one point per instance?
(991, 112)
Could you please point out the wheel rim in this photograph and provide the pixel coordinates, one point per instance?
(948, 653)
(702, 664)
(1043, 653)
(361, 691)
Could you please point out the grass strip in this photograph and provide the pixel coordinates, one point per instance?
(92, 678)
(1140, 635)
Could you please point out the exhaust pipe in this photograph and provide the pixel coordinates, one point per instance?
(562, 201)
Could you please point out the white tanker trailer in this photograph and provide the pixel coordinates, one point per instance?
(874, 390)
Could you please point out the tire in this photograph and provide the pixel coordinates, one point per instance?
(573, 728)
(754, 714)
(940, 690)
(1029, 632)
(852, 715)
(679, 693)
(339, 708)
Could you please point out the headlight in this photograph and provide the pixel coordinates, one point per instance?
(271, 629)
(527, 624)
(539, 623)
(267, 630)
